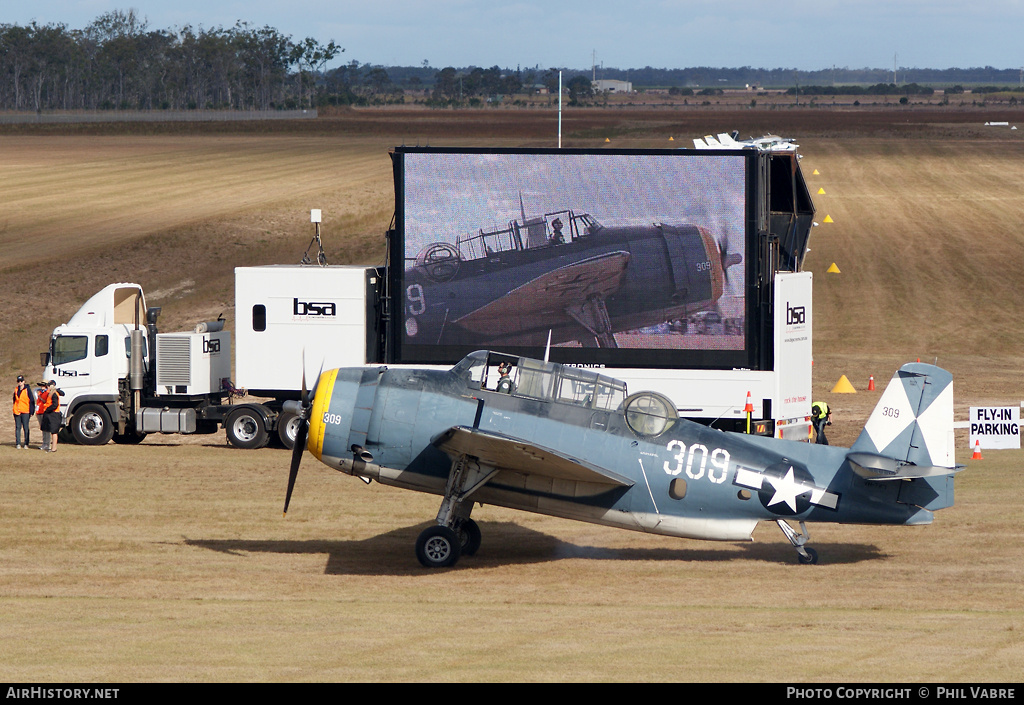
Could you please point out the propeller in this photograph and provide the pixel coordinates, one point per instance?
(301, 409)
(728, 258)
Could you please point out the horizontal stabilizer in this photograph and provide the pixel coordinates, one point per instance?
(880, 468)
(507, 453)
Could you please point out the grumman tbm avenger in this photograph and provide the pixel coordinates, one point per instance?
(569, 442)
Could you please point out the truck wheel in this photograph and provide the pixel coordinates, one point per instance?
(91, 425)
(129, 438)
(245, 429)
(287, 429)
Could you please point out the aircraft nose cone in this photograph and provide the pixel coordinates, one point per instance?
(330, 418)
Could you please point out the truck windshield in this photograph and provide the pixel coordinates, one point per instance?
(69, 348)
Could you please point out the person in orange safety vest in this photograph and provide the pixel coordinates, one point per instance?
(51, 415)
(23, 404)
(42, 398)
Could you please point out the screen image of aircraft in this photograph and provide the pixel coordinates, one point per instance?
(563, 274)
(605, 250)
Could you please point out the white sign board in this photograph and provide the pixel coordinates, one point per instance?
(995, 426)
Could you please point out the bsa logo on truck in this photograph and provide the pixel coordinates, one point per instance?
(211, 346)
(313, 308)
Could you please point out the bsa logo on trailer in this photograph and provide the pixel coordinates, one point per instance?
(313, 308)
(995, 427)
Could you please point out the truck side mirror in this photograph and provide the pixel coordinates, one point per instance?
(44, 359)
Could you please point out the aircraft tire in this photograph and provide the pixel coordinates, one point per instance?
(811, 559)
(438, 547)
(469, 536)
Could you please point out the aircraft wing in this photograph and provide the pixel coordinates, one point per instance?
(507, 453)
(549, 296)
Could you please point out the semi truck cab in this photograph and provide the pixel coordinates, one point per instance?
(90, 356)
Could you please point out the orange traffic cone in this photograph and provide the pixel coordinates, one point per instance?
(749, 408)
(977, 451)
(871, 383)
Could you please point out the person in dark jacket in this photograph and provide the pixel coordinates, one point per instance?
(51, 415)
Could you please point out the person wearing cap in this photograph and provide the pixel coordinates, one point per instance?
(23, 404)
(556, 232)
(821, 415)
(42, 396)
(51, 416)
(505, 384)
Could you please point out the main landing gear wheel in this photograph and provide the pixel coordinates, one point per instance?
(469, 536)
(438, 547)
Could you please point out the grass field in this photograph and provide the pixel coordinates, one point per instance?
(173, 563)
(170, 561)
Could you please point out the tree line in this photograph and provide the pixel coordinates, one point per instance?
(118, 62)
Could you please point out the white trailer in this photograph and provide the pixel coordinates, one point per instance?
(121, 379)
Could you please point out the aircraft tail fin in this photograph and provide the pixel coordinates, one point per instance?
(912, 424)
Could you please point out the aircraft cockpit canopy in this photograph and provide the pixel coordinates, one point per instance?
(554, 228)
(545, 381)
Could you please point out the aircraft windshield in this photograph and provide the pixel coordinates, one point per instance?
(471, 368)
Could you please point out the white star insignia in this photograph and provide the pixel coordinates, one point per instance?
(787, 489)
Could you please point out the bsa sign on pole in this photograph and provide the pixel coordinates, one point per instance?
(995, 426)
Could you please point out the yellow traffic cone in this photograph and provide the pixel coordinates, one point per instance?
(843, 386)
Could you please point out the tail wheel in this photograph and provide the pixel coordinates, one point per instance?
(811, 557)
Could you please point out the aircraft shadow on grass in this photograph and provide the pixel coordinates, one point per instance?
(510, 544)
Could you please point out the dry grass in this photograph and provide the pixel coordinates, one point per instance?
(170, 561)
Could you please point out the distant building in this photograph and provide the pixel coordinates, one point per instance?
(612, 86)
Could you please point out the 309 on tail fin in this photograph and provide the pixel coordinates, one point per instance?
(910, 432)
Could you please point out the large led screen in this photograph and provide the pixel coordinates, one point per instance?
(628, 259)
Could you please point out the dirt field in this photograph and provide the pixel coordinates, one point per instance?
(170, 561)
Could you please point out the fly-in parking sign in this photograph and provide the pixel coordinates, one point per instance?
(995, 427)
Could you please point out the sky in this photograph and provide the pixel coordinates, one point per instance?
(577, 34)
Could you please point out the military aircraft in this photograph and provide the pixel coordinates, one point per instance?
(571, 443)
(580, 280)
